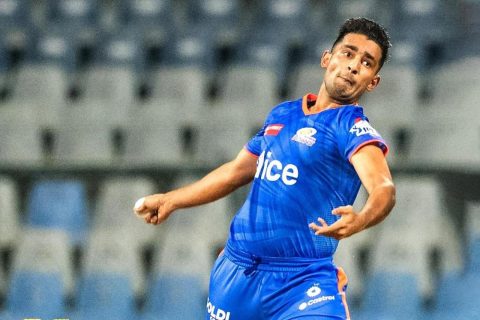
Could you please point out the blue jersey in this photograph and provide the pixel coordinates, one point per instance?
(303, 172)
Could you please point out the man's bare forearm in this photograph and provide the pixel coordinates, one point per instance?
(215, 185)
(380, 202)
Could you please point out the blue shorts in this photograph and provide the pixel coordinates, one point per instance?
(244, 287)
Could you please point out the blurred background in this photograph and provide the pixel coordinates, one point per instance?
(102, 102)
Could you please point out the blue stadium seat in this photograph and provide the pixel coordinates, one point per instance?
(288, 18)
(456, 297)
(217, 17)
(151, 20)
(76, 12)
(391, 295)
(105, 296)
(175, 297)
(59, 204)
(36, 294)
(193, 48)
(413, 19)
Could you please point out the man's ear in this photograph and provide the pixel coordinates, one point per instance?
(374, 83)
(325, 60)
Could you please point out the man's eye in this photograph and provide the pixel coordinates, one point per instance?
(367, 63)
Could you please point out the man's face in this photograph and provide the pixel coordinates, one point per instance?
(351, 69)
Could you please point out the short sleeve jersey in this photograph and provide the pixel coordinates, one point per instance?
(303, 173)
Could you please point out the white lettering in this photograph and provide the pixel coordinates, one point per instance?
(276, 176)
(273, 170)
(290, 171)
(219, 315)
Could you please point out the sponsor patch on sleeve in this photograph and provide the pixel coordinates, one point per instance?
(362, 127)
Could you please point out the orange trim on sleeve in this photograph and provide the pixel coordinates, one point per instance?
(250, 152)
(366, 143)
(342, 282)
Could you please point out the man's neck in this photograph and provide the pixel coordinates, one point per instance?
(324, 101)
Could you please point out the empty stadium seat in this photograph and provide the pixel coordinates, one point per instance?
(153, 140)
(42, 80)
(183, 253)
(185, 73)
(221, 135)
(419, 209)
(286, 17)
(455, 297)
(59, 204)
(437, 139)
(391, 295)
(105, 296)
(21, 143)
(152, 20)
(109, 84)
(36, 294)
(414, 16)
(45, 251)
(180, 276)
(73, 12)
(175, 297)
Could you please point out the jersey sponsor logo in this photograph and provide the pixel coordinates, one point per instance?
(305, 305)
(362, 127)
(314, 291)
(273, 129)
(217, 313)
(273, 170)
(305, 136)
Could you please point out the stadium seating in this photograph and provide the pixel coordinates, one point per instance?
(397, 94)
(185, 73)
(113, 210)
(9, 212)
(115, 252)
(286, 17)
(437, 139)
(20, 143)
(151, 20)
(73, 12)
(454, 297)
(46, 251)
(34, 293)
(390, 296)
(473, 237)
(160, 86)
(42, 80)
(59, 204)
(105, 296)
(217, 17)
(419, 210)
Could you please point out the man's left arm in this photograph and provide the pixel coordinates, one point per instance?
(372, 169)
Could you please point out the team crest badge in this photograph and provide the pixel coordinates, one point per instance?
(305, 136)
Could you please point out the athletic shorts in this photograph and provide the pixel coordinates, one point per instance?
(246, 287)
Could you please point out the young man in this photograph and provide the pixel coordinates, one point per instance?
(306, 163)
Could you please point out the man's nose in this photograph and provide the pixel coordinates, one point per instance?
(353, 67)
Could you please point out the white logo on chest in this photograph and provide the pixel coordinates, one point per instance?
(305, 136)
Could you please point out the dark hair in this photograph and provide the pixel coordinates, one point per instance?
(369, 28)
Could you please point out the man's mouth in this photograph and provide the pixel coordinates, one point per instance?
(348, 80)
